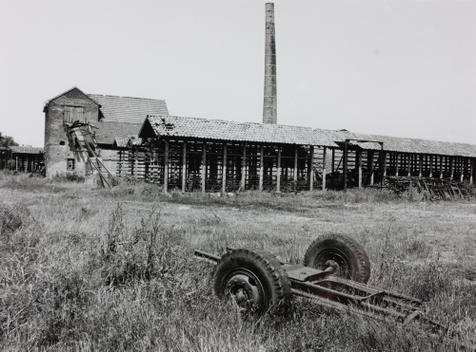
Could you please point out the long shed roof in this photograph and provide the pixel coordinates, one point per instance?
(192, 127)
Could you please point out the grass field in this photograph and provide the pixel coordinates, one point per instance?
(99, 270)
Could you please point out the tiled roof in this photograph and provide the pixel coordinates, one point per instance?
(191, 127)
(127, 109)
(25, 149)
(410, 145)
(235, 131)
(107, 132)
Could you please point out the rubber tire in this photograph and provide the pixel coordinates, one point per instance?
(352, 251)
(266, 267)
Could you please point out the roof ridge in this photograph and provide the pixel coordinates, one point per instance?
(125, 96)
(229, 121)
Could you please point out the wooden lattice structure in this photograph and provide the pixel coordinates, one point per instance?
(191, 154)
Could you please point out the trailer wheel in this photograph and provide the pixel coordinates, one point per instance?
(255, 281)
(345, 255)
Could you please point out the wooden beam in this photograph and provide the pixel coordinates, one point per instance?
(311, 168)
(420, 166)
(397, 163)
(344, 166)
(166, 166)
(184, 166)
(278, 175)
(223, 169)
(471, 171)
(324, 152)
(359, 167)
(461, 177)
(243, 169)
(295, 174)
(384, 164)
(261, 168)
(431, 165)
(204, 167)
(371, 167)
(333, 160)
(409, 164)
(441, 166)
(452, 168)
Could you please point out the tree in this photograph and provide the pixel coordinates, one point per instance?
(6, 141)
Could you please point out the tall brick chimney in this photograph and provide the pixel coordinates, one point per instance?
(270, 96)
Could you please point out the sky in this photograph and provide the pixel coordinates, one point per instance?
(403, 68)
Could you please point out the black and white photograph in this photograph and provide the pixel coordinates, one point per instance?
(238, 176)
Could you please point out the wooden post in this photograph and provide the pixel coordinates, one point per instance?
(452, 168)
(441, 166)
(344, 166)
(204, 166)
(16, 163)
(223, 169)
(397, 163)
(471, 171)
(295, 175)
(333, 160)
(359, 167)
(184, 166)
(420, 166)
(166, 166)
(311, 168)
(431, 165)
(324, 152)
(261, 168)
(371, 166)
(243, 169)
(384, 164)
(461, 177)
(278, 175)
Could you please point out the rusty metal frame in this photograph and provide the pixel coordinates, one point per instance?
(330, 291)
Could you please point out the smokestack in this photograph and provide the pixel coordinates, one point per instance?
(270, 96)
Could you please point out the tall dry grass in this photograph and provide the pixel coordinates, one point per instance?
(113, 271)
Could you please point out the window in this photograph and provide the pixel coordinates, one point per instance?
(70, 165)
(73, 113)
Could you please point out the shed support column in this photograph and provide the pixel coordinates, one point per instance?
(344, 166)
(184, 166)
(223, 169)
(311, 168)
(441, 167)
(431, 165)
(278, 175)
(333, 160)
(371, 167)
(16, 163)
(324, 152)
(471, 171)
(397, 163)
(204, 166)
(420, 166)
(409, 164)
(166, 166)
(359, 167)
(261, 168)
(452, 171)
(384, 165)
(243, 169)
(461, 177)
(295, 168)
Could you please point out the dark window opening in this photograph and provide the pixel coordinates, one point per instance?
(70, 164)
(62, 143)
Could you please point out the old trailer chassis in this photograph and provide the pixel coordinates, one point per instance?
(331, 291)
